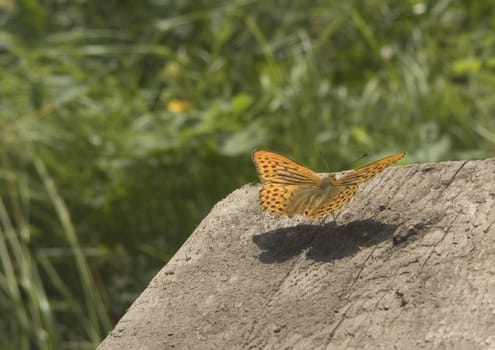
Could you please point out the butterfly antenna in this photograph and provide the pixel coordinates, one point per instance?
(324, 161)
(357, 160)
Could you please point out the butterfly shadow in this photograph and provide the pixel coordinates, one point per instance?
(321, 242)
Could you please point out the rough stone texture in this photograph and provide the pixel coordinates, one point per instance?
(409, 263)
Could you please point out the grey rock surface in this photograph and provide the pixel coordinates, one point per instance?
(408, 263)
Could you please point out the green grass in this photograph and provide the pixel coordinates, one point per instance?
(101, 179)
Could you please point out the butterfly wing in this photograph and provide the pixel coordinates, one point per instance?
(306, 200)
(332, 202)
(277, 198)
(348, 185)
(285, 182)
(289, 188)
(276, 168)
(364, 173)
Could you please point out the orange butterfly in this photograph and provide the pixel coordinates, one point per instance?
(289, 188)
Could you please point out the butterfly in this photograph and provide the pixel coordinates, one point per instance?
(290, 188)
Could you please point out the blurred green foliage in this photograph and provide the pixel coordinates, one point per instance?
(123, 122)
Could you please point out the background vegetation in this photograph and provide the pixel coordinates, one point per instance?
(123, 122)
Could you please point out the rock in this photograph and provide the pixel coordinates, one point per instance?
(409, 263)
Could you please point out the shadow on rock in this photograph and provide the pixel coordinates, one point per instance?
(323, 243)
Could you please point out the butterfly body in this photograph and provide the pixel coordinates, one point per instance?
(289, 188)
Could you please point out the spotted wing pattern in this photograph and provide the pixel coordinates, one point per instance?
(276, 168)
(276, 198)
(281, 178)
(289, 188)
(333, 204)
